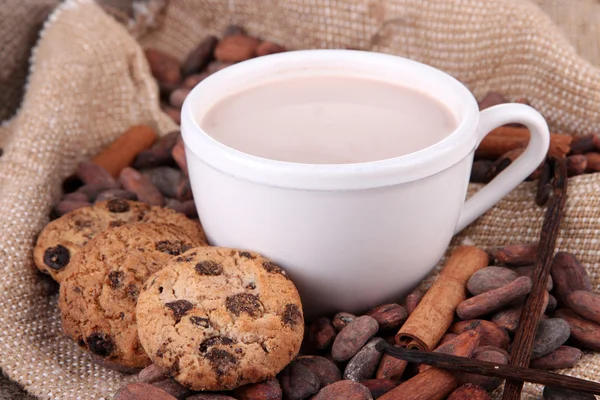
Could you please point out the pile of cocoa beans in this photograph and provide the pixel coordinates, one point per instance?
(176, 80)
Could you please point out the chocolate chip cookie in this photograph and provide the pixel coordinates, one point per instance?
(98, 296)
(62, 238)
(218, 318)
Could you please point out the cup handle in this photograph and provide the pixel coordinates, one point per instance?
(518, 170)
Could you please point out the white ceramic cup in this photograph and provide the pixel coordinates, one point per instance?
(351, 236)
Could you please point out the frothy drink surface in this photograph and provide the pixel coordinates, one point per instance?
(328, 120)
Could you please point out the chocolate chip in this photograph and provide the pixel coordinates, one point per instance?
(57, 257)
(214, 341)
(246, 254)
(80, 224)
(118, 205)
(251, 286)
(173, 248)
(133, 291)
(273, 268)
(244, 303)
(239, 350)
(115, 278)
(179, 308)
(199, 321)
(221, 360)
(115, 224)
(209, 268)
(187, 258)
(291, 315)
(100, 344)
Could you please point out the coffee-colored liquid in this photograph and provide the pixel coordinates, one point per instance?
(329, 120)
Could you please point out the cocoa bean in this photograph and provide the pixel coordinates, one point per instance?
(389, 316)
(266, 48)
(348, 390)
(528, 272)
(552, 304)
(210, 396)
(550, 335)
(191, 81)
(165, 179)
(266, 390)
(64, 207)
(353, 337)
(75, 196)
(586, 304)
(552, 393)
(116, 194)
(137, 183)
(341, 319)
(491, 334)
(491, 348)
(151, 374)
(47, 286)
(92, 191)
(379, 387)
(142, 391)
(576, 165)
(390, 367)
(322, 333)
(200, 56)
(563, 357)
(93, 174)
(494, 300)
(446, 338)
(173, 113)
(177, 97)
(165, 89)
(184, 189)
(324, 369)
(488, 354)
(178, 154)
(508, 318)
(469, 392)
(215, 66)
(490, 278)
(482, 171)
(593, 162)
(174, 388)
(236, 48)
(188, 208)
(462, 345)
(586, 333)
(298, 382)
(413, 299)
(491, 99)
(363, 365)
(163, 67)
(234, 30)
(516, 254)
(159, 154)
(584, 144)
(506, 159)
(568, 276)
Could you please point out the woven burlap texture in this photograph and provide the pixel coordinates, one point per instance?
(89, 81)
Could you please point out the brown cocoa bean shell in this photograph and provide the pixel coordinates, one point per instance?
(550, 335)
(200, 56)
(151, 374)
(178, 96)
(568, 275)
(266, 390)
(482, 171)
(446, 338)
(516, 254)
(490, 278)
(469, 391)
(93, 174)
(586, 304)
(348, 390)
(165, 179)
(116, 194)
(174, 388)
(139, 184)
(159, 154)
(491, 334)
(142, 391)
(75, 196)
(191, 81)
(552, 393)
(576, 165)
(211, 396)
(379, 387)
(188, 208)
(92, 191)
(563, 357)
(494, 300)
(497, 356)
(508, 318)
(298, 382)
(552, 304)
(266, 48)
(363, 365)
(163, 67)
(584, 144)
(322, 333)
(324, 369)
(527, 271)
(353, 337)
(413, 300)
(236, 48)
(64, 207)
(584, 332)
(391, 367)
(173, 113)
(184, 189)
(462, 345)
(389, 316)
(341, 319)
(178, 154)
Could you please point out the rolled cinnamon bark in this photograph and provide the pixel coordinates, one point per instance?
(506, 138)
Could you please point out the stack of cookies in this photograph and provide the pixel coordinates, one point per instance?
(139, 285)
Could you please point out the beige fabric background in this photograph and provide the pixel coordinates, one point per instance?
(88, 81)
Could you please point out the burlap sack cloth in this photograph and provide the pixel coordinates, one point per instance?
(88, 81)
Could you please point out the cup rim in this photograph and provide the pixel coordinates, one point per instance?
(354, 176)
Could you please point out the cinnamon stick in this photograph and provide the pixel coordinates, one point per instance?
(462, 345)
(433, 316)
(533, 308)
(433, 384)
(506, 138)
